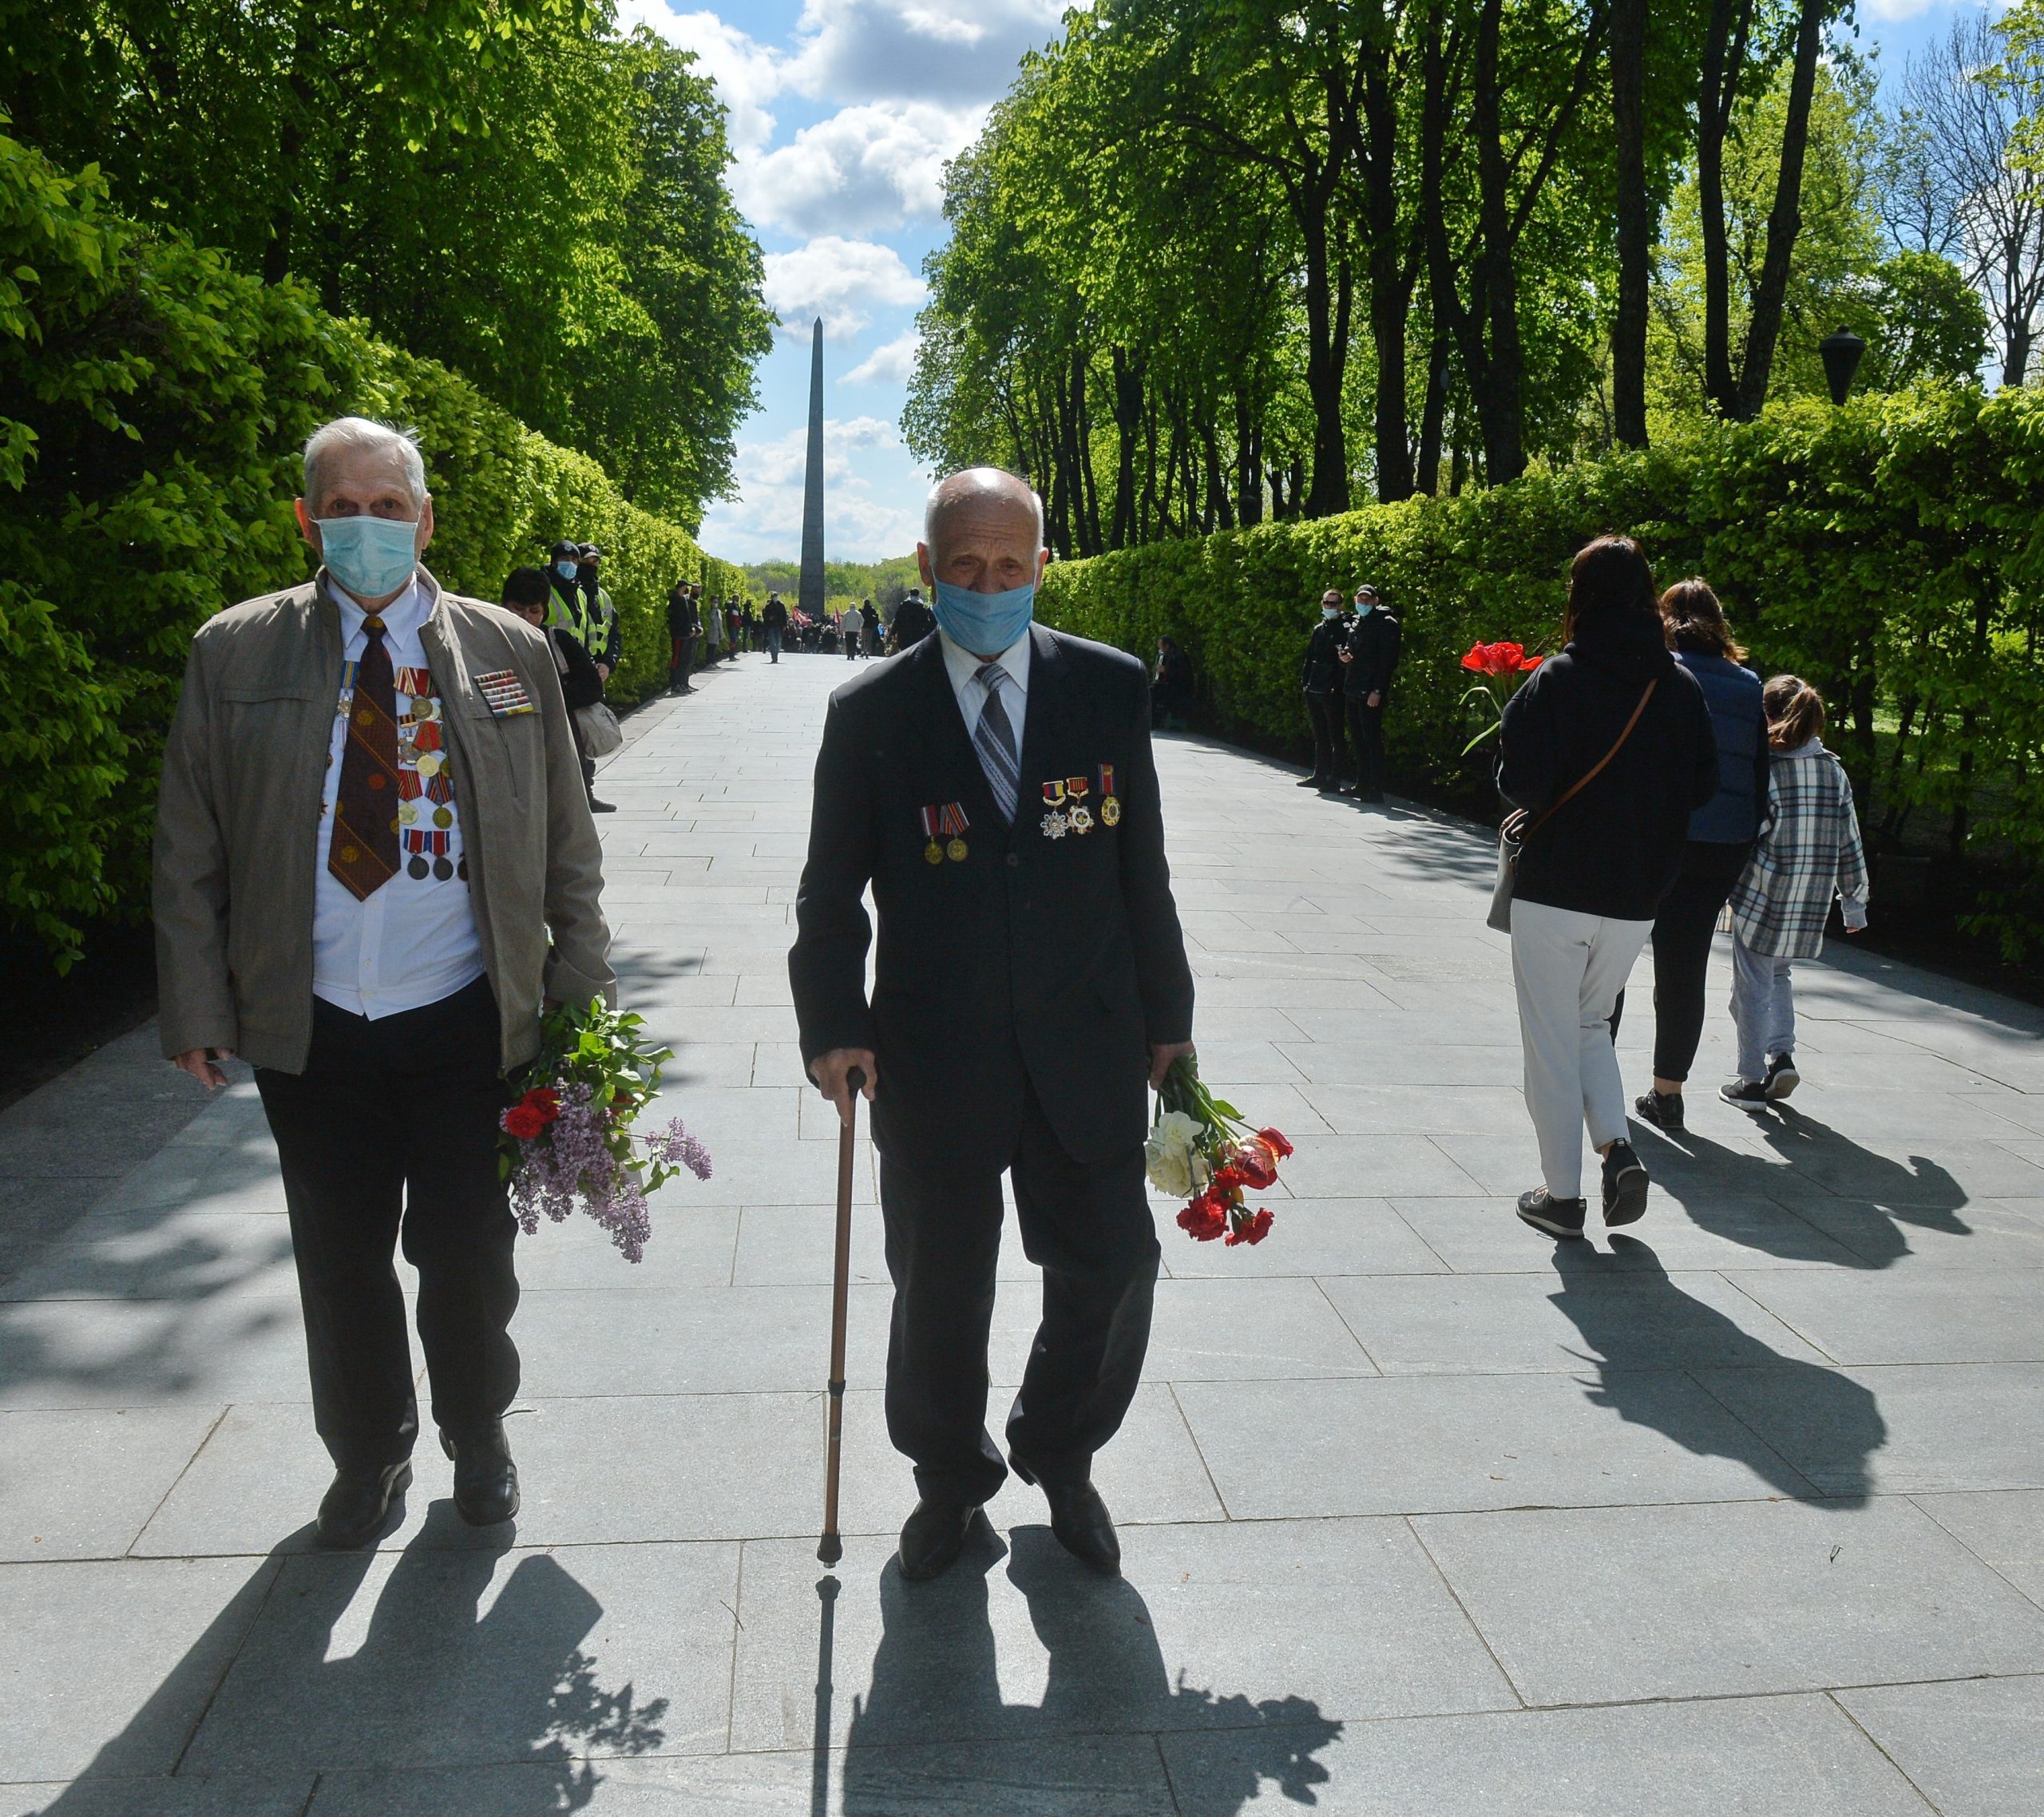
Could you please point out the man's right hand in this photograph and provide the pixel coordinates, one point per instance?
(830, 1071)
(199, 1062)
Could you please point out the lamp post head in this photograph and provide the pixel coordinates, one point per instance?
(1841, 352)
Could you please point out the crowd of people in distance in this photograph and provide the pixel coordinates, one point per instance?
(1662, 782)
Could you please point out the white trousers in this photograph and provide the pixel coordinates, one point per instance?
(1569, 968)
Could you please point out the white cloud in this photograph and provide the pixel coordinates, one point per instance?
(839, 280)
(864, 168)
(890, 365)
(862, 522)
(955, 53)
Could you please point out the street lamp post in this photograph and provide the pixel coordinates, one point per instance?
(1841, 352)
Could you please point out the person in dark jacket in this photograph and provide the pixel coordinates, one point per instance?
(775, 619)
(912, 621)
(1721, 834)
(1591, 878)
(995, 786)
(1170, 693)
(1369, 658)
(684, 626)
(1320, 675)
(527, 593)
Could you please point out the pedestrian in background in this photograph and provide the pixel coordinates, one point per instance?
(525, 592)
(1171, 689)
(1809, 852)
(912, 621)
(1320, 675)
(868, 629)
(848, 631)
(684, 626)
(1721, 840)
(1369, 658)
(567, 612)
(606, 637)
(713, 634)
(775, 619)
(1608, 747)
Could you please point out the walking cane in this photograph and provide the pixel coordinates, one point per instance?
(831, 1548)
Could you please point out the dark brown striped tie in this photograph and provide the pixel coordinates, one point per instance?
(364, 852)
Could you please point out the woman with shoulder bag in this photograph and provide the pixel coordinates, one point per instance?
(1605, 751)
(581, 685)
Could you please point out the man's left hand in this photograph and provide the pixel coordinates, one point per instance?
(1374, 700)
(1160, 1057)
(602, 671)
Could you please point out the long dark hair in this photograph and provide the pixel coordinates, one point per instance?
(1694, 621)
(1609, 577)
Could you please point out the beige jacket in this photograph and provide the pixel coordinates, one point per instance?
(237, 841)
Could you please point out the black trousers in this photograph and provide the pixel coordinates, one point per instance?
(1090, 1229)
(391, 1130)
(1366, 740)
(1325, 710)
(683, 659)
(1682, 928)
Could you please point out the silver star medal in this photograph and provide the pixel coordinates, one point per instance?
(1055, 824)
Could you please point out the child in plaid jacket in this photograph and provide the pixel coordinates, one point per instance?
(1809, 851)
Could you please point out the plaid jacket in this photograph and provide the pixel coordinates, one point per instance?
(1809, 851)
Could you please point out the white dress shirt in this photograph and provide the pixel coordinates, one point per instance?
(414, 942)
(961, 665)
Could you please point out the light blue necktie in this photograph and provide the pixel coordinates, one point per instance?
(994, 740)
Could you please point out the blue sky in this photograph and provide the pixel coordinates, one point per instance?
(842, 112)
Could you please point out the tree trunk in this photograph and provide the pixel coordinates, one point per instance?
(1390, 285)
(1432, 415)
(1128, 413)
(298, 98)
(1500, 405)
(1248, 466)
(1328, 294)
(1724, 63)
(1764, 329)
(1635, 222)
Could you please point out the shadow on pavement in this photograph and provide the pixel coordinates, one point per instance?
(436, 1679)
(936, 1675)
(1625, 1305)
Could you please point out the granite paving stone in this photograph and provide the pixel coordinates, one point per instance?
(1746, 1499)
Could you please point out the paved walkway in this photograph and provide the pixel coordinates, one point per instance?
(1423, 1517)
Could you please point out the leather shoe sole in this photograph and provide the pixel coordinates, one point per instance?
(933, 1538)
(1081, 1524)
(356, 1508)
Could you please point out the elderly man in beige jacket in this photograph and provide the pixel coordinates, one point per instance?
(374, 862)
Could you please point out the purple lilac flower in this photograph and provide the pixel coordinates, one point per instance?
(675, 1146)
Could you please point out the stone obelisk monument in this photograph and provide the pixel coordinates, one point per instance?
(809, 596)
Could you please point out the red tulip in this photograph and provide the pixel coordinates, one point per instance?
(1252, 1162)
(1475, 660)
(1278, 1145)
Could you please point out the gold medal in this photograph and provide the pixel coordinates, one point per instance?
(933, 852)
(1110, 812)
(1081, 819)
(408, 812)
(956, 851)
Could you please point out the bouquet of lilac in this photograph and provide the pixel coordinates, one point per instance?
(569, 1136)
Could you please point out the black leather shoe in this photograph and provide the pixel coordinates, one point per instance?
(933, 1537)
(485, 1479)
(357, 1503)
(1083, 1527)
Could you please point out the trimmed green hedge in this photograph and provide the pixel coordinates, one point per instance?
(1892, 552)
(152, 405)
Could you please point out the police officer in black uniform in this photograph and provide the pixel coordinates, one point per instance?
(912, 622)
(1369, 659)
(995, 786)
(1319, 674)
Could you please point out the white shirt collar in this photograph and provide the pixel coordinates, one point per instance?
(961, 665)
(402, 617)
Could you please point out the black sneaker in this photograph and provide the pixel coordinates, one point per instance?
(1559, 1218)
(1310, 783)
(1625, 1185)
(596, 806)
(1748, 1093)
(1782, 1077)
(1662, 1109)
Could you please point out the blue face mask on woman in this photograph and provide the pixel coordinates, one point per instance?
(984, 624)
(370, 556)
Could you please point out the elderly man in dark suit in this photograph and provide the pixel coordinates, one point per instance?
(995, 786)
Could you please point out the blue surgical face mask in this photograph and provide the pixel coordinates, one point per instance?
(1330, 611)
(370, 556)
(984, 624)
(564, 569)
(1366, 606)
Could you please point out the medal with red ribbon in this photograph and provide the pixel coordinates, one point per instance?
(1110, 802)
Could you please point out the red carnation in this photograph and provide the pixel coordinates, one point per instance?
(1279, 1146)
(1251, 1230)
(523, 1122)
(1202, 1220)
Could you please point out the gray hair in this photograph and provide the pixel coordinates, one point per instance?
(955, 486)
(359, 435)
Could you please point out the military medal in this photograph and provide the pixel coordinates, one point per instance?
(933, 852)
(952, 822)
(1110, 804)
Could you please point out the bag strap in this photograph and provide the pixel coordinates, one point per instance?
(1584, 781)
